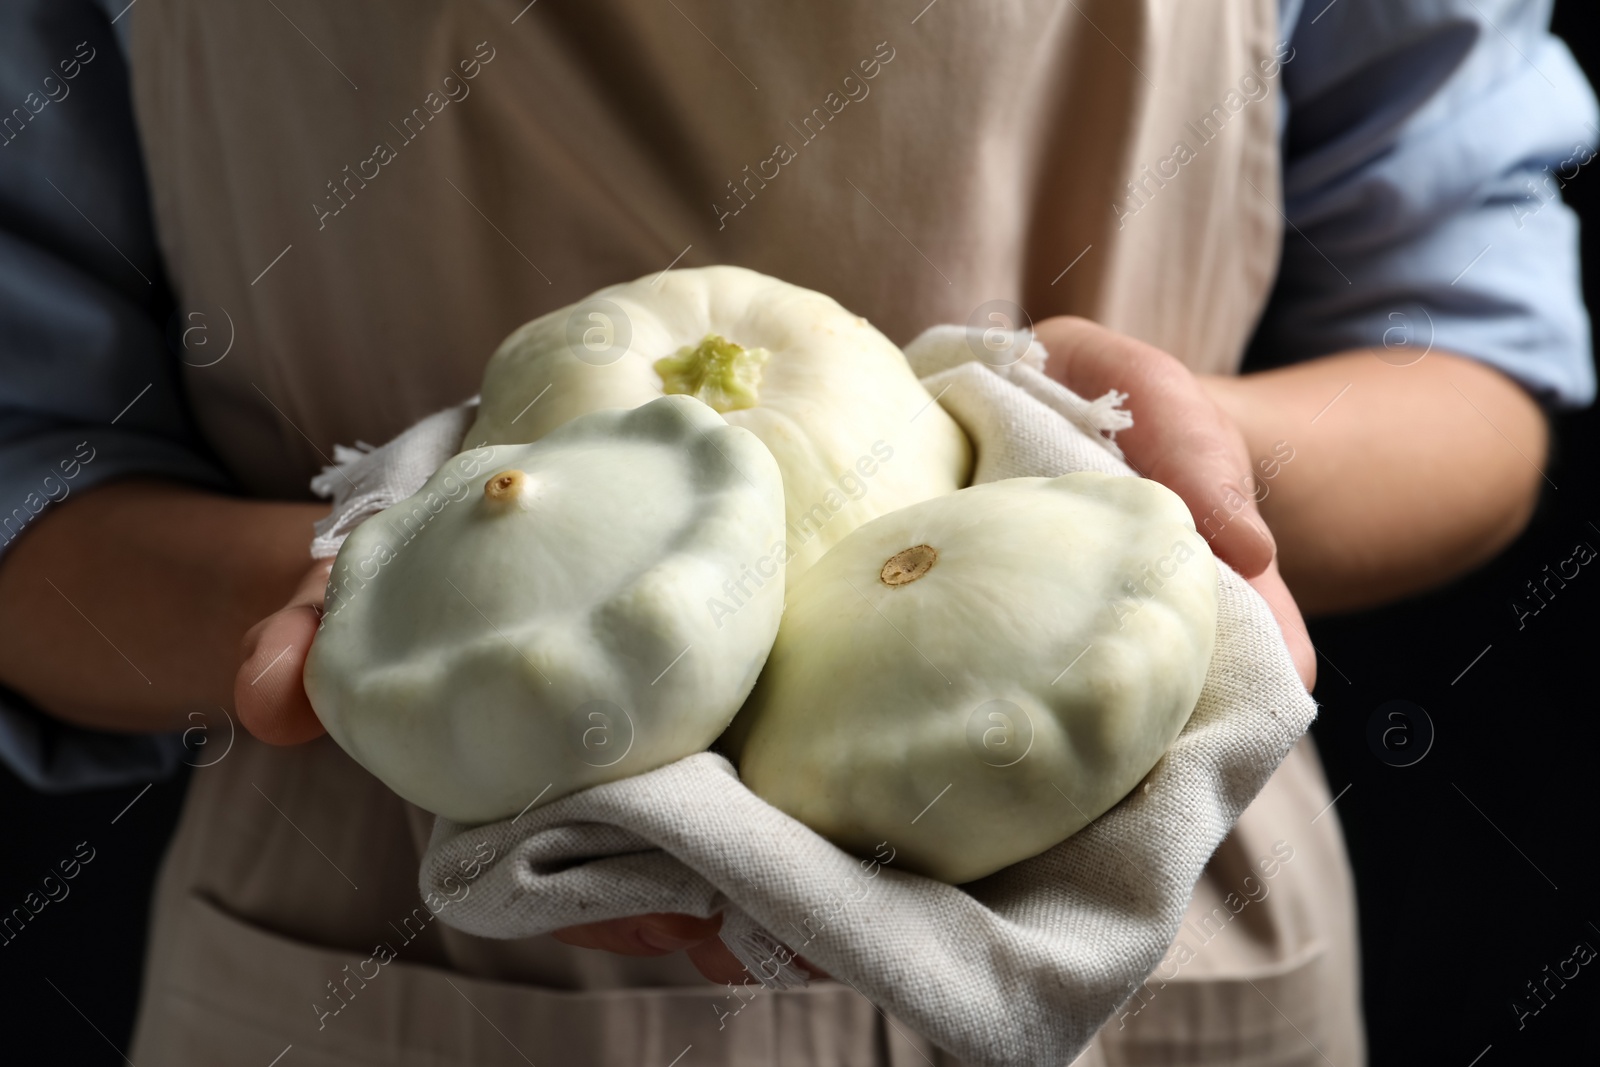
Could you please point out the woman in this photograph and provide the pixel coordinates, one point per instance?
(362, 199)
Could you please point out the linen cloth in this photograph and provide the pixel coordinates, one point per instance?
(1021, 967)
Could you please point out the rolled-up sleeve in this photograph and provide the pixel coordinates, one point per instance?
(88, 385)
(1425, 149)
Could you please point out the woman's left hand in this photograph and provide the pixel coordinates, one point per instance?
(1182, 439)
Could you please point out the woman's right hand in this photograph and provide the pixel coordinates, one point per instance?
(268, 691)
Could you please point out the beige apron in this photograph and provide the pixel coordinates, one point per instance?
(376, 193)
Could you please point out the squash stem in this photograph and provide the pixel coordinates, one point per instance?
(719, 373)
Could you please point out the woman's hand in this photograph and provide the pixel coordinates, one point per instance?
(661, 934)
(268, 691)
(1182, 439)
(1405, 473)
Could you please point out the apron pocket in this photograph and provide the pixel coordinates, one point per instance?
(229, 991)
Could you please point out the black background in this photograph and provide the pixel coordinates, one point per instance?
(1476, 866)
(1456, 914)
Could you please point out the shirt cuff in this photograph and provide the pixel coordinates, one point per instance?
(58, 757)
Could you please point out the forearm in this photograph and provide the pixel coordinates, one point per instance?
(1400, 478)
(123, 608)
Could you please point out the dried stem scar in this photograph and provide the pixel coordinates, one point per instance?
(907, 565)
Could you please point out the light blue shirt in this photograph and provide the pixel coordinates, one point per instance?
(1425, 145)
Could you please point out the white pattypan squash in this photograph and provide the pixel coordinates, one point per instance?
(854, 432)
(974, 678)
(534, 620)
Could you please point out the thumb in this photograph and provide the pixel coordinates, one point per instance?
(268, 692)
(1179, 438)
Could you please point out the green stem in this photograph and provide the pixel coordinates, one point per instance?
(717, 372)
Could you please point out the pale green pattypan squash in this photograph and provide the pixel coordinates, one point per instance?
(854, 432)
(535, 620)
(974, 678)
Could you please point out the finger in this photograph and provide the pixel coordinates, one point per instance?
(642, 935)
(268, 691)
(674, 931)
(1179, 436)
(1269, 583)
(614, 935)
(716, 962)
